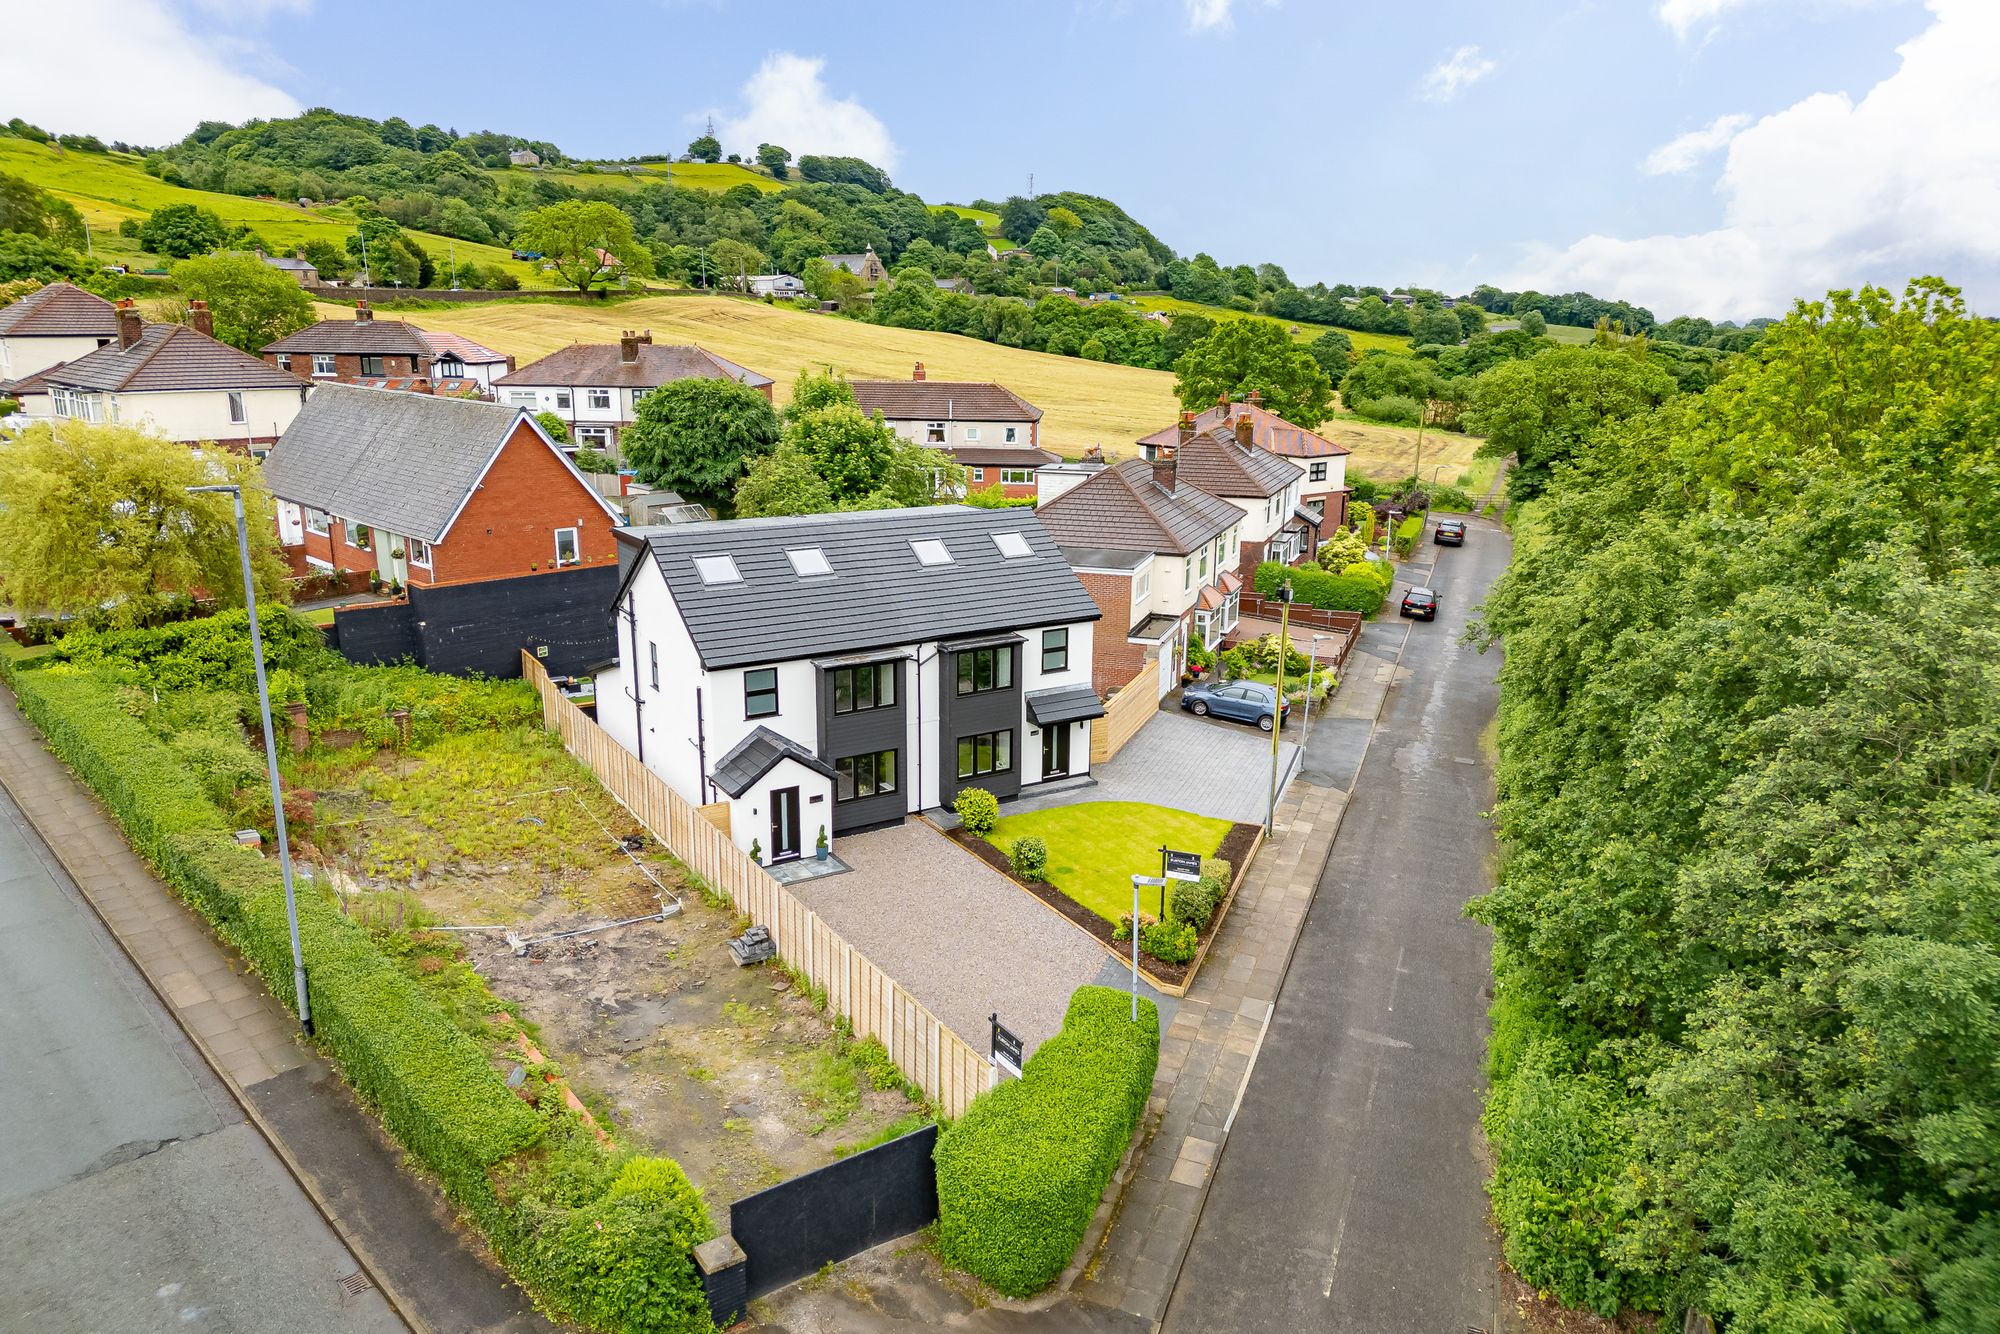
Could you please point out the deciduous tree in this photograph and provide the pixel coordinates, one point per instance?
(697, 436)
(588, 241)
(1545, 410)
(1246, 354)
(253, 304)
(181, 231)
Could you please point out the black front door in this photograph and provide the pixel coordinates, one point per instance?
(784, 823)
(1055, 750)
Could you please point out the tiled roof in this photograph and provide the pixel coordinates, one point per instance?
(1123, 509)
(404, 462)
(877, 594)
(289, 263)
(943, 400)
(458, 345)
(170, 357)
(756, 755)
(598, 364)
(1217, 463)
(1001, 456)
(373, 338)
(1270, 431)
(59, 311)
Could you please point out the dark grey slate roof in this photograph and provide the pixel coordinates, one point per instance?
(404, 462)
(1064, 704)
(756, 755)
(877, 596)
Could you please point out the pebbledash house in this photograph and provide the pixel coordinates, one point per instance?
(835, 672)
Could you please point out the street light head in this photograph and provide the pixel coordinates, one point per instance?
(229, 487)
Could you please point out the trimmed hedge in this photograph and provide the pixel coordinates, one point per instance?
(1317, 588)
(1020, 1174)
(617, 1256)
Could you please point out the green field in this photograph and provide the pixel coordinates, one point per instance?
(989, 222)
(1363, 342)
(715, 176)
(108, 188)
(1567, 334)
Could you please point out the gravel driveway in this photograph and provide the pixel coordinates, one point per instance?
(956, 934)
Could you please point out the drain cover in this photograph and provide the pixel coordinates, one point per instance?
(355, 1284)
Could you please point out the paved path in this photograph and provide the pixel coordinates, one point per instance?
(963, 939)
(1177, 760)
(1349, 1196)
(393, 1221)
(133, 1193)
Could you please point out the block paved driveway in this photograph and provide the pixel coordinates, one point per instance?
(1204, 765)
(963, 939)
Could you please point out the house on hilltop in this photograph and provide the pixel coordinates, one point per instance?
(49, 326)
(865, 266)
(596, 387)
(841, 671)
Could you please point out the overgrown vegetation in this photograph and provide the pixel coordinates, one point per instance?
(1749, 919)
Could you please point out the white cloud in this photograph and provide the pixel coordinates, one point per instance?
(1454, 74)
(145, 78)
(786, 102)
(1685, 152)
(1831, 192)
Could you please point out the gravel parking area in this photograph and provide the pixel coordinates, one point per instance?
(956, 934)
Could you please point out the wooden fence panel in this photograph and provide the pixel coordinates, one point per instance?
(930, 1055)
(1128, 711)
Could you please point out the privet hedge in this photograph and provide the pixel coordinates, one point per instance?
(1020, 1174)
(601, 1236)
(1313, 587)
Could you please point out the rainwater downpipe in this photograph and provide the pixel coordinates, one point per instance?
(633, 687)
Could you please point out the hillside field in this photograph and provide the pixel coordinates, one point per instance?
(1085, 402)
(715, 176)
(1363, 342)
(108, 188)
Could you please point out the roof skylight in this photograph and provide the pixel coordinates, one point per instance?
(808, 561)
(717, 570)
(931, 551)
(1012, 545)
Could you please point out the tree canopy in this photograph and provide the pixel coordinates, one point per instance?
(253, 304)
(588, 241)
(1240, 355)
(1546, 409)
(1748, 920)
(180, 231)
(697, 436)
(100, 517)
(832, 457)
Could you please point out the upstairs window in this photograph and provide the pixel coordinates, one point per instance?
(237, 416)
(869, 686)
(972, 434)
(284, 361)
(599, 399)
(316, 521)
(323, 363)
(760, 692)
(717, 570)
(1317, 472)
(371, 365)
(1055, 650)
(567, 552)
(1013, 434)
(562, 400)
(931, 551)
(983, 669)
(933, 433)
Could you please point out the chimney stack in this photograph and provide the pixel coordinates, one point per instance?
(130, 326)
(918, 374)
(362, 314)
(1164, 467)
(200, 319)
(1256, 399)
(628, 347)
(1246, 430)
(1186, 427)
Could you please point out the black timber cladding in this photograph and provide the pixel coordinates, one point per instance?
(561, 616)
(878, 594)
(863, 732)
(974, 714)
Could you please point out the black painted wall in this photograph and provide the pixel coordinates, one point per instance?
(460, 629)
(842, 1209)
(969, 715)
(870, 730)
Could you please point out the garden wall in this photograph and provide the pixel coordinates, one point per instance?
(935, 1059)
(1128, 711)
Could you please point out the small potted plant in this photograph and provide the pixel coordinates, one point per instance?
(396, 554)
(756, 852)
(819, 847)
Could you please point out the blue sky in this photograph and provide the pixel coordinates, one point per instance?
(1712, 156)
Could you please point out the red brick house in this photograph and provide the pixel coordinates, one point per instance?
(348, 351)
(430, 491)
(1265, 487)
(1325, 491)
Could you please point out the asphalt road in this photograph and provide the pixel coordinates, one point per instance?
(1348, 1196)
(133, 1194)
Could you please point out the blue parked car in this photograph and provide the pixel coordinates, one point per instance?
(1241, 701)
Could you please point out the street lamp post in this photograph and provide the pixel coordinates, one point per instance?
(270, 751)
(1312, 663)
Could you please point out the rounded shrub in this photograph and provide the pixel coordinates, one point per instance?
(1030, 856)
(978, 810)
(1169, 941)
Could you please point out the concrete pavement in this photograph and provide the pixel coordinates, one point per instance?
(134, 1195)
(1349, 1195)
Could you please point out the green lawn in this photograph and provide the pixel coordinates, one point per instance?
(1096, 847)
(1363, 342)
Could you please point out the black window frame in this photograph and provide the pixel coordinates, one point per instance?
(373, 363)
(1061, 650)
(998, 660)
(993, 744)
(851, 769)
(1317, 473)
(882, 682)
(752, 694)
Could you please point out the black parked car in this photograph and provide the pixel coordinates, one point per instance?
(1421, 603)
(1450, 533)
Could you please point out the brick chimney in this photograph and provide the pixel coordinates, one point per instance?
(918, 373)
(1186, 427)
(1256, 399)
(1246, 430)
(130, 326)
(362, 313)
(200, 319)
(628, 346)
(1164, 467)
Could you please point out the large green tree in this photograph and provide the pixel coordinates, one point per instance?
(832, 457)
(588, 241)
(31, 211)
(100, 517)
(1545, 410)
(253, 304)
(180, 231)
(25, 258)
(1245, 354)
(697, 436)
(1748, 920)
